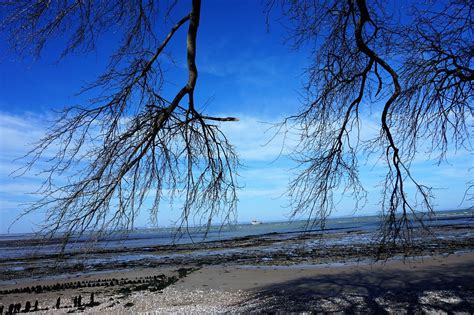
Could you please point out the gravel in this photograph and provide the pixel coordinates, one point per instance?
(175, 301)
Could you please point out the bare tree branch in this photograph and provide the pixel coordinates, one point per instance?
(420, 72)
(130, 148)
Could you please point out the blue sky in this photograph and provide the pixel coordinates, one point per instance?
(245, 71)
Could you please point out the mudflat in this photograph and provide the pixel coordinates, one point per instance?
(259, 274)
(440, 283)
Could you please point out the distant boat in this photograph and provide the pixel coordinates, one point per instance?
(255, 222)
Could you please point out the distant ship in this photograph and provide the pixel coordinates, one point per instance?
(255, 222)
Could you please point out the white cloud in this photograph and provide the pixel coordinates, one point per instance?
(17, 133)
(269, 173)
(19, 189)
(256, 139)
(267, 193)
(7, 206)
(264, 153)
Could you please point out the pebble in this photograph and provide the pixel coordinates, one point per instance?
(175, 301)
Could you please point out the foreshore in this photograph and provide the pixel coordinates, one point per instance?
(259, 274)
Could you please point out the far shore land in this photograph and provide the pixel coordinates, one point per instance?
(297, 273)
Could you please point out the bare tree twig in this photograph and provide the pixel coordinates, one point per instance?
(421, 73)
(130, 148)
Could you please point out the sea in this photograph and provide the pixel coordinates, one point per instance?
(26, 245)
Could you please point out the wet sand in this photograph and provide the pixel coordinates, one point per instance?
(441, 283)
(273, 248)
(439, 277)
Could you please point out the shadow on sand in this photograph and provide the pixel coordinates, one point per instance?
(435, 289)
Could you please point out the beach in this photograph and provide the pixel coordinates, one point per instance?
(434, 284)
(440, 283)
(337, 271)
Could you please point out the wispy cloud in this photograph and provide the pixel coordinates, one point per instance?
(256, 139)
(262, 192)
(17, 133)
(263, 152)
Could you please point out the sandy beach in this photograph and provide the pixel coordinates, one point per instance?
(337, 278)
(441, 283)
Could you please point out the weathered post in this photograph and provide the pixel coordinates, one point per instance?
(27, 307)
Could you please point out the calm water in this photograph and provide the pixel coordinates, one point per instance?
(17, 246)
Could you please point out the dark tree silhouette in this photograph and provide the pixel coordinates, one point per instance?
(129, 143)
(415, 71)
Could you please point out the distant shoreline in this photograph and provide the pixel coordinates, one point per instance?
(438, 216)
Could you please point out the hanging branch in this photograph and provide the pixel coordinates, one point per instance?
(417, 75)
(131, 148)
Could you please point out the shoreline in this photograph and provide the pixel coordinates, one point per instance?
(273, 272)
(274, 248)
